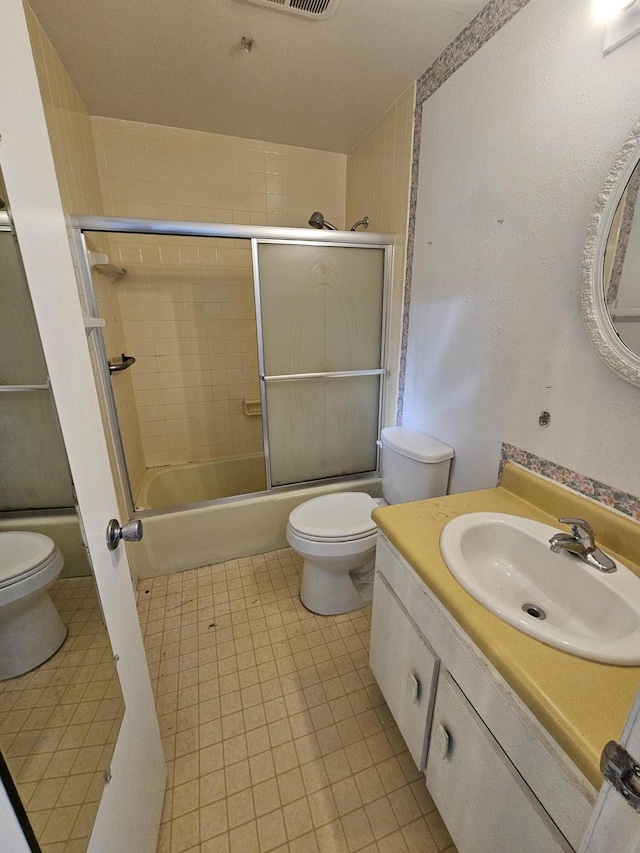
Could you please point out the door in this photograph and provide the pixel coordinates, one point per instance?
(406, 669)
(614, 825)
(321, 315)
(130, 809)
(484, 802)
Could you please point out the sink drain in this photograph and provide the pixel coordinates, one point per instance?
(534, 610)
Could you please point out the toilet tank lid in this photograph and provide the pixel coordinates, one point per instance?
(415, 444)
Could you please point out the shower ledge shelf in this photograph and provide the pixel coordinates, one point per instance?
(91, 323)
(100, 262)
(252, 408)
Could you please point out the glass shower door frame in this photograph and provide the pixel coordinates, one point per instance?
(95, 340)
(79, 225)
(266, 379)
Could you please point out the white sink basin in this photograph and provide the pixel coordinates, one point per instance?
(506, 564)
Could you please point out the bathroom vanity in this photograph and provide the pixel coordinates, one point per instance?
(507, 730)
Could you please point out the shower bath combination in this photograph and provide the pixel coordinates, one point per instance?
(317, 220)
(254, 361)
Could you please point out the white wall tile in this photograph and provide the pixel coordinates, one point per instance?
(378, 181)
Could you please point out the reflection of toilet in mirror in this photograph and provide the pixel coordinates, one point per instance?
(336, 535)
(31, 630)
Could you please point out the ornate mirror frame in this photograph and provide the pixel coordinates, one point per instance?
(616, 354)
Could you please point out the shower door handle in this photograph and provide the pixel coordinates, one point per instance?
(130, 532)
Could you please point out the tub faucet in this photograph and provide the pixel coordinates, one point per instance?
(581, 543)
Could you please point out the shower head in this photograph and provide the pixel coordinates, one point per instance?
(317, 220)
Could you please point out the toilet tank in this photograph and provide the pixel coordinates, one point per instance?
(414, 465)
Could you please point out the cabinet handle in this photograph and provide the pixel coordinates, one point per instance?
(443, 741)
(413, 687)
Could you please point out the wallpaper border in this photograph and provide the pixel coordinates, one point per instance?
(594, 489)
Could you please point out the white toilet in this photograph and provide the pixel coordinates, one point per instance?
(336, 535)
(31, 629)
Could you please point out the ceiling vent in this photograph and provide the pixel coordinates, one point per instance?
(315, 9)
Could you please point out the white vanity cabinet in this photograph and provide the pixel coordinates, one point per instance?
(501, 783)
(480, 795)
(405, 667)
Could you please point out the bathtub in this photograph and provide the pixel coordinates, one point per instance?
(195, 482)
(178, 540)
(62, 526)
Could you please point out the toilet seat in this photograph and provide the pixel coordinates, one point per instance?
(339, 517)
(23, 554)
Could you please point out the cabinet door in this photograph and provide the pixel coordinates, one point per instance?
(404, 666)
(482, 798)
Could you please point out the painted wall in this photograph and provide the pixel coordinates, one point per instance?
(378, 186)
(515, 147)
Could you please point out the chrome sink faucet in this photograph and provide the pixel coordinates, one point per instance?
(581, 543)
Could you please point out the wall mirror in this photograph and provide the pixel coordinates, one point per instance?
(610, 268)
(60, 720)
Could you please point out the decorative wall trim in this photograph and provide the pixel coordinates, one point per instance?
(477, 33)
(622, 501)
(411, 233)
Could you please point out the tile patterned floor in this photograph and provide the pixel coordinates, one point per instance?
(59, 724)
(276, 735)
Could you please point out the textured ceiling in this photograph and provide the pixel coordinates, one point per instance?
(320, 84)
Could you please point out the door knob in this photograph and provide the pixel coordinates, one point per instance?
(130, 532)
(623, 771)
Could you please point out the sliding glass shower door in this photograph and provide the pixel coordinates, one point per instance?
(34, 472)
(234, 386)
(321, 329)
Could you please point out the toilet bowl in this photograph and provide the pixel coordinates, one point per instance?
(31, 629)
(336, 537)
(335, 534)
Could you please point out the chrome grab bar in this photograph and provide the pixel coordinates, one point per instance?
(25, 387)
(117, 366)
(335, 374)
